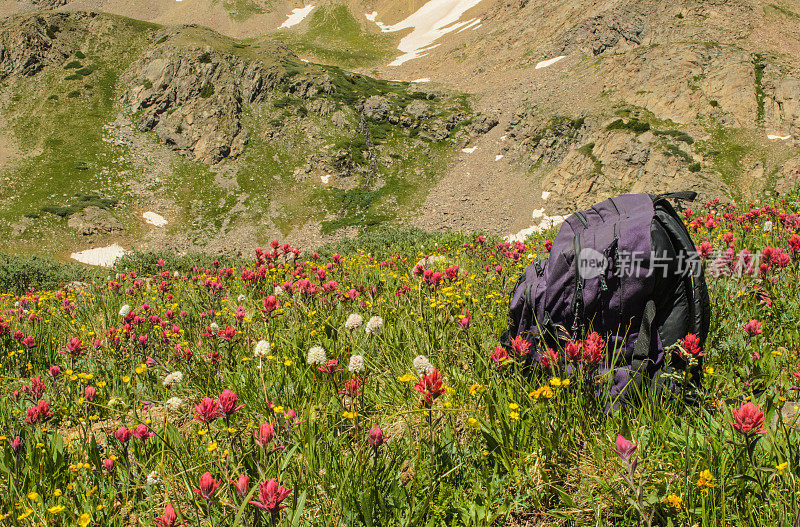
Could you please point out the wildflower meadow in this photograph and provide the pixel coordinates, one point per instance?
(369, 388)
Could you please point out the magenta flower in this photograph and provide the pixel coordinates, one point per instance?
(207, 411)
(122, 434)
(208, 485)
(264, 435)
(167, 519)
(376, 437)
(625, 449)
(227, 402)
(241, 485)
(142, 432)
(270, 496)
(753, 328)
(748, 420)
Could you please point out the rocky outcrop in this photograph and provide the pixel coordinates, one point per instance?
(193, 98)
(94, 220)
(782, 109)
(683, 81)
(541, 141)
(616, 162)
(29, 44)
(48, 4)
(615, 29)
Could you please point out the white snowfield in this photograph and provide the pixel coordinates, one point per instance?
(326, 178)
(498, 157)
(779, 137)
(429, 23)
(296, 16)
(544, 222)
(154, 219)
(548, 62)
(423, 79)
(469, 150)
(101, 256)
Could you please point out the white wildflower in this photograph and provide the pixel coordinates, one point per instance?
(278, 291)
(240, 298)
(422, 365)
(176, 274)
(213, 328)
(174, 404)
(374, 325)
(154, 478)
(316, 355)
(768, 226)
(262, 349)
(172, 379)
(354, 321)
(356, 364)
(124, 310)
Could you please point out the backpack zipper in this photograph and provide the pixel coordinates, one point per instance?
(577, 299)
(582, 219)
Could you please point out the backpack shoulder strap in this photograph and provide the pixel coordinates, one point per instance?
(643, 344)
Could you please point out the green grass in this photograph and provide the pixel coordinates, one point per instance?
(59, 124)
(500, 444)
(242, 10)
(335, 36)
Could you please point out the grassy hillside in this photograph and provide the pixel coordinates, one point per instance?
(79, 144)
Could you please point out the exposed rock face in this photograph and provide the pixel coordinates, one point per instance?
(29, 46)
(542, 142)
(48, 4)
(681, 81)
(620, 162)
(621, 27)
(377, 107)
(193, 98)
(94, 220)
(783, 108)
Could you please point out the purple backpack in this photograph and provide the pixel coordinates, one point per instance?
(627, 269)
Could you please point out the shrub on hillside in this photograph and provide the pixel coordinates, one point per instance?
(21, 273)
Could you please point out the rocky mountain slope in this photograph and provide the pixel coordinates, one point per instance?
(524, 110)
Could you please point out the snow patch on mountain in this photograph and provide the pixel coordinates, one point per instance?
(296, 16)
(548, 62)
(101, 256)
(428, 24)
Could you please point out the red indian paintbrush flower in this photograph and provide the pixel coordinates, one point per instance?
(142, 432)
(241, 485)
(625, 449)
(167, 519)
(748, 420)
(520, 346)
(753, 328)
(549, 358)
(691, 343)
(430, 386)
(500, 357)
(208, 485)
(573, 350)
(39, 413)
(330, 367)
(593, 350)
(207, 411)
(270, 496)
(376, 437)
(122, 434)
(74, 347)
(264, 435)
(227, 402)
